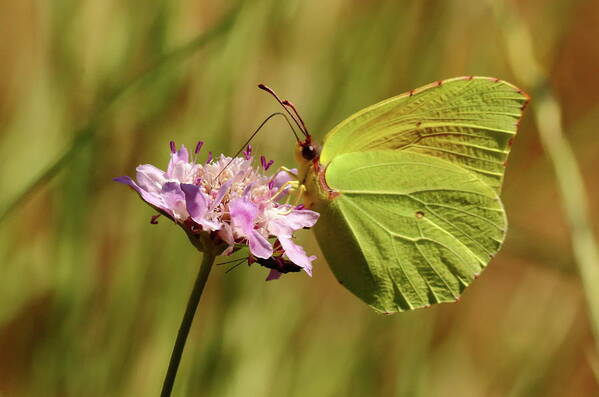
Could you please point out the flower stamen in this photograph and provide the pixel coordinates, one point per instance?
(266, 165)
(247, 153)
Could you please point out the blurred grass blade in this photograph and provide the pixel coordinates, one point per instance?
(547, 113)
(83, 135)
(593, 361)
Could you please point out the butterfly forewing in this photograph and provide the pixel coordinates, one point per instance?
(469, 121)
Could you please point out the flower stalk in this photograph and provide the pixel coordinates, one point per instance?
(192, 305)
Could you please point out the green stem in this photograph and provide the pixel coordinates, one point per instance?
(192, 304)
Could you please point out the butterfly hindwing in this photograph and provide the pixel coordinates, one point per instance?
(406, 230)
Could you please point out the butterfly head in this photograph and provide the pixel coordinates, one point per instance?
(308, 150)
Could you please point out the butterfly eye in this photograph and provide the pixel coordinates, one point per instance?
(308, 152)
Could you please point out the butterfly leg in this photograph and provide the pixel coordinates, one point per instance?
(289, 185)
(291, 173)
(300, 194)
(300, 189)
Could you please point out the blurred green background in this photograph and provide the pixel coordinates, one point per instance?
(91, 294)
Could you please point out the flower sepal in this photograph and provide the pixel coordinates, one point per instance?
(204, 241)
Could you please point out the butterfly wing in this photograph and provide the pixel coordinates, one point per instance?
(469, 121)
(408, 191)
(406, 230)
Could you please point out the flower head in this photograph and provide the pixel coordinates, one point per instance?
(232, 202)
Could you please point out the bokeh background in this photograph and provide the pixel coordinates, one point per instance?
(91, 294)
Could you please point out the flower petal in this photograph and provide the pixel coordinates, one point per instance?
(243, 217)
(178, 165)
(197, 206)
(284, 225)
(182, 154)
(150, 178)
(297, 255)
(259, 246)
(283, 177)
(174, 198)
(153, 199)
(243, 214)
(224, 188)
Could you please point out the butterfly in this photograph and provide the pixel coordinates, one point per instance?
(408, 190)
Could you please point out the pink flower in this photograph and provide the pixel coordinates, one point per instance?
(244, 217)
(234, 202)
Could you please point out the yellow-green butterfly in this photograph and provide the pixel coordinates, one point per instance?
(408, 190)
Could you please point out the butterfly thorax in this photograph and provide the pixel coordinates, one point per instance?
(312, 174)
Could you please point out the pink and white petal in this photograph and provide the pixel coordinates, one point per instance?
(197, 207)
(174, 198)
(282, 177)
(273, 275)
(180, 155)
(195, 200)
(178, 164)
(178, 172)
(150, 178)
(224, 188)
(297, 255)
(299, 219)
(259, 246)
(152, 199)
(285, 225)
(278, 227)
(243, 215)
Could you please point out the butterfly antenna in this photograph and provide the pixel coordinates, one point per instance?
(255, 133)
(292, 106)
(282, 103)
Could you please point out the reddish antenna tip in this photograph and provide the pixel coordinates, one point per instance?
(292, 106)
(285, 104)
(266, 88)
